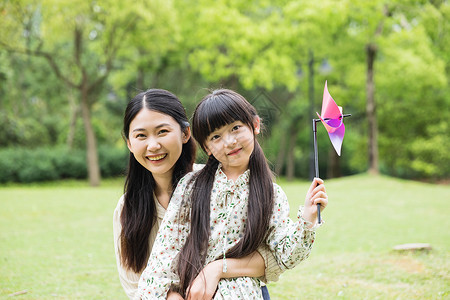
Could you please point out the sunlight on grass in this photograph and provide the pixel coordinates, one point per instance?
(56, 241)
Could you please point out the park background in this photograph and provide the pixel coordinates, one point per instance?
(68, 68)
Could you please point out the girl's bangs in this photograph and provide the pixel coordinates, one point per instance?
(219, 111)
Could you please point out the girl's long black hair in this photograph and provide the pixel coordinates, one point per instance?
(139, 210)
(217, 109)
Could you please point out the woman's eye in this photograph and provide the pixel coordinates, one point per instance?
(140, 135)
(162, 131)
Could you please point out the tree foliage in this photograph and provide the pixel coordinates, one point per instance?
(69, 66)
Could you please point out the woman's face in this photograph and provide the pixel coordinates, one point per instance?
(156, 141)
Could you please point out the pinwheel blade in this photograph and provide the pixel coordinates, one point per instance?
(332, 118)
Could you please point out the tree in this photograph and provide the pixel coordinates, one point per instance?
(366, 24)
(413, 120)
(255, 45)
(80, 41)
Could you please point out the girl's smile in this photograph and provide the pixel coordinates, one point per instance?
(235, 152)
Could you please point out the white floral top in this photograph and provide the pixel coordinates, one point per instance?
(291, 242)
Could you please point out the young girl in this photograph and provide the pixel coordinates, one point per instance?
(227, 209)
(157, 133)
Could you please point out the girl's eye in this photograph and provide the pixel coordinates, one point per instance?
(236, 127)
(215, 137)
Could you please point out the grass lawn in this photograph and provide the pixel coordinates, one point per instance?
(56, 242)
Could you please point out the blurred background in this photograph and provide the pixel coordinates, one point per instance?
(68, 68)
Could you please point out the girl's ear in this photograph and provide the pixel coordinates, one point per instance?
(186, 135)
(208, 151)
(257, 125)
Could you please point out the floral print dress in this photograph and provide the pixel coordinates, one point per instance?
(291, 242)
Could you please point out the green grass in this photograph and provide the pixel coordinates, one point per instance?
(56, 241)
(353, 256)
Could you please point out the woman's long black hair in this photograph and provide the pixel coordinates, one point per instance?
(217, 109)
(139, 210)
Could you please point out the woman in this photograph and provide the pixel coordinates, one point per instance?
(158, 136)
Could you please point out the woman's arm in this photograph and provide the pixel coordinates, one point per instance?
(205, 284)
(272, 270)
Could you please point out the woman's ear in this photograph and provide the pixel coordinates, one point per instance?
(257, 125)
(129, 145)
(186, 135)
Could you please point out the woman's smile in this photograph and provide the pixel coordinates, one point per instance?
(156, 158)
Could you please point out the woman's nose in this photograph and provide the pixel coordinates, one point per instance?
(153, 144)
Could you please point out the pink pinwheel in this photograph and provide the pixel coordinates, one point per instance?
(332, 118)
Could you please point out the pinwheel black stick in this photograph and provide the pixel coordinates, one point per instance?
(316, 157)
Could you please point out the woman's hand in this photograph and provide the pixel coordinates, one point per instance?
(315, 195)
(205, 284)
(174, 296)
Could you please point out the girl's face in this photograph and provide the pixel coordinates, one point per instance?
(156, 141)
(232, 146)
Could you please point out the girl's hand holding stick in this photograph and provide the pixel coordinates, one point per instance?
(315, 195)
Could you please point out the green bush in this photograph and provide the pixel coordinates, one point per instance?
(70, 163)
(113, 161)
(40, 169)
(431, 159)
(422, 157)
(45, 164)
(8, 165)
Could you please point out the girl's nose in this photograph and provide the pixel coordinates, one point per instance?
(230, 140)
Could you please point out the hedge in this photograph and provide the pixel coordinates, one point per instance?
(26, 165)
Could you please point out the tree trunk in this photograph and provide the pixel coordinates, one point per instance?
(311, 110)
(334, 165)
(371, 50)
(290, 163)
(280, 155)
(91, 143)
(73, 120)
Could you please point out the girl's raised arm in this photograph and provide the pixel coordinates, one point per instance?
(291, 241)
